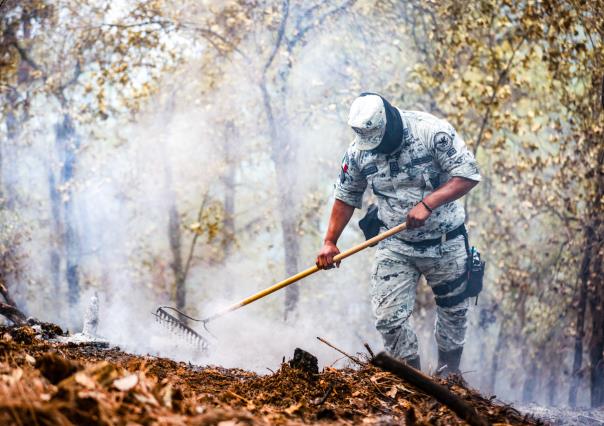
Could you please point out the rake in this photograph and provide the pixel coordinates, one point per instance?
(178, 327)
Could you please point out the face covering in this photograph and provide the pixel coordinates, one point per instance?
(393, 136)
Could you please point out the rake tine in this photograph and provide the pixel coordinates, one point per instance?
(180, 329)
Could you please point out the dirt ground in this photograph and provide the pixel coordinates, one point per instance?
(48, 383)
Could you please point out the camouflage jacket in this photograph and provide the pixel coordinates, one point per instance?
(431, 152)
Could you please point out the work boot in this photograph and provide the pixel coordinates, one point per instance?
(413, 361)
(448, 362)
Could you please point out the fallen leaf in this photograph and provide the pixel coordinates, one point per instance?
(84, 380)
(126, 383)
(15, 376)
(146, 399)
(166, 395)
(293, 408)
(392, 392)
(93, 394)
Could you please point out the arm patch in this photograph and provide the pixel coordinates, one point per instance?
(443, 141)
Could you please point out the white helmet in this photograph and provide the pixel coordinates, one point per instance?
(367, 118)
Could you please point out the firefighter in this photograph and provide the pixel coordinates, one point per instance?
(417, 166)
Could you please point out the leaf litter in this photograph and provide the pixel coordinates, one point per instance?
(49, 383)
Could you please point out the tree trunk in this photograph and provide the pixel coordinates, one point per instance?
(552, 383)
(596, 348)
(531, 377)
(283, 154)
(579, 330)
(175, 238)
(7, 158)
(596, 344)
(55, 240)
(67, 144)
(595, 243)
(492, 381)
(179, 291)
(228, 179)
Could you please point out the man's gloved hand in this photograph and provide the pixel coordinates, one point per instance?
(326, 255)
(417, 216)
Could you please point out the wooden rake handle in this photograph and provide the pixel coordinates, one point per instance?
(309, 271)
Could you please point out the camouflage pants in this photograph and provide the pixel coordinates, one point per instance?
(393, 287)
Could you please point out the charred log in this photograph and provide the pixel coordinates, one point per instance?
(426, 384)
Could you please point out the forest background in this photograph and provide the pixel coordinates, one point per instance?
(184, 153)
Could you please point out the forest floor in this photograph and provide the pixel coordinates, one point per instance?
(45, 382)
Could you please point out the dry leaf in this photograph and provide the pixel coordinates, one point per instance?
(166, 395)
(146, 399)
(126, 383)
(16, 375)
(87, 393)
(84, 380)
(293, 408)
(392, 392)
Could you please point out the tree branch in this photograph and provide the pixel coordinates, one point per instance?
(25, 57)
(208, 34)
(502, 75)
(194, 240)
(291, 44)
(280, 34)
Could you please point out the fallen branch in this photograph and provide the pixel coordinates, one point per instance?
(6, 294)
(426, 384)
(9, 309)
(352, 358)
(12, 313)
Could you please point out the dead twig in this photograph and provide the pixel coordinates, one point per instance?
(440, 393)
(321, 400)
(247, 401)
(352, 358)
(371, 354)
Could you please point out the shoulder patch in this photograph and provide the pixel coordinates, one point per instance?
(443, 141)
(344, 175)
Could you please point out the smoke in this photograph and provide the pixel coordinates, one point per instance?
(130, 174)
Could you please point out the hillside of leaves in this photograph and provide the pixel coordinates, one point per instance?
(45, 382)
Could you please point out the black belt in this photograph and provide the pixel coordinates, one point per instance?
(460, 230)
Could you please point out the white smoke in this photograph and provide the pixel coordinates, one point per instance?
(123, 200)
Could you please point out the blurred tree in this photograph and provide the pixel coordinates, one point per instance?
(58, 54)
(501, 73)
(293, 25)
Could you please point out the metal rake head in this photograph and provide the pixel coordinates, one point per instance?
(179, 328)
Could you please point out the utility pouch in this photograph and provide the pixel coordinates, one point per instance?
(475, 274)
(370, 224)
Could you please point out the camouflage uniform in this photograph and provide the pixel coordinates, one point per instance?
(431, 152)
